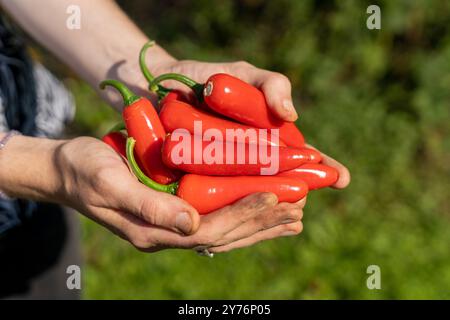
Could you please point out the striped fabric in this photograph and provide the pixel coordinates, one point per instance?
(55, 105)
(55, 108)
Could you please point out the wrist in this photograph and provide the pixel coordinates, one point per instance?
(28, 170)
(4, 139)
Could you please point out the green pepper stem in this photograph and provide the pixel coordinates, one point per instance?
(196, 87)
(170, 188)
(161, 91)
(128, 96)
(142, 55)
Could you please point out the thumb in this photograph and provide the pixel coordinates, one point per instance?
(160, 209)
(275, 86)
(277, 90)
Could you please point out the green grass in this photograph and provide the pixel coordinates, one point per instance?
(376, 100)
(394, 214)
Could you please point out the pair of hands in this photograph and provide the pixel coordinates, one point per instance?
(99, 184)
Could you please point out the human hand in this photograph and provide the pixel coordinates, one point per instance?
(97, 182)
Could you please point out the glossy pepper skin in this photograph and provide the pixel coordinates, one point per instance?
(287, 158)
(176, 114)
(143, 124)
(173, 95)
(245, 103)
(207, 194)
(117, 141)
(238, 100)
(315, 175)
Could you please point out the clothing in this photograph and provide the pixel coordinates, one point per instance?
(34, 256)
(34, 237)
(32, 101)
(55, 107)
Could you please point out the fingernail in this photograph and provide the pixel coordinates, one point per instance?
(183, 222)
(288, 234)
(288, 107)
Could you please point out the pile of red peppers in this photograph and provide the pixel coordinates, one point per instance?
(224, 102)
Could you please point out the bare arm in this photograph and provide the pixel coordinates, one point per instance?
(107, 45)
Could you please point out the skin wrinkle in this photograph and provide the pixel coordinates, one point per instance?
(263, 235)
(274, 220)
(261, 202)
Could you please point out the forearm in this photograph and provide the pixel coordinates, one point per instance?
(28, 169)
(107, 45)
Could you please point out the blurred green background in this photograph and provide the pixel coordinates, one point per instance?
(377, 100)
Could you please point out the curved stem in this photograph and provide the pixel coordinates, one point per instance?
(170, 188)
(195, 86)
(128, 96)
(161, 91)
(142, 64)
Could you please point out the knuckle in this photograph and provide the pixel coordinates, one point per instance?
(296, 214)
(289, 211)
(148, 212)
(142, 242)
(266, 222)
(301, 203)
(280, 79)
(261, 201)
(283, 207)
(282, 210)
(269, 199)
(243, 64)
(254, 203)
(272, 218)
(294, 228)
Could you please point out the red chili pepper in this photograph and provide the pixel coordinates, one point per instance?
(179, 115)
(117, 141)
(291, 135)
(207, 194)
(143, 124)
(230, 158)
(238, 100)
(314, 174)
(173, 95)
